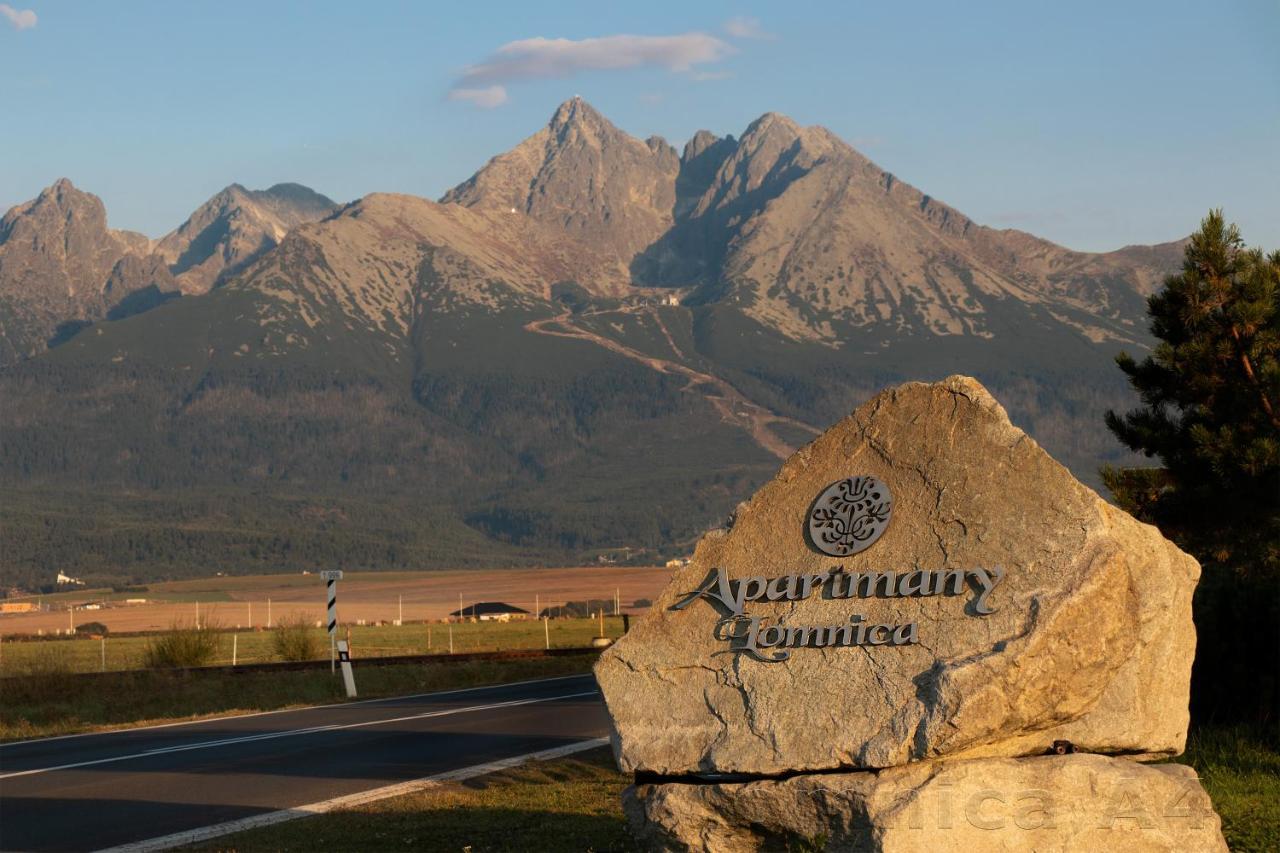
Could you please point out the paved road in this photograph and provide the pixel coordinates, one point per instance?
(94, 791)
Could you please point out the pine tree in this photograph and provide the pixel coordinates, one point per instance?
(1211, 406)
(1210, 412)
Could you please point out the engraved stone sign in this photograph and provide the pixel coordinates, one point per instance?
(1004, 607)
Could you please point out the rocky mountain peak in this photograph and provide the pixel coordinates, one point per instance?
(62, 220)
(582, 175)
(576, 125)
(60, 264)
(772, 123)
(63, 197)
(234, 227)
(302, 199)
(577, 113)
(699, 143)
(774, 135)
(62, 189)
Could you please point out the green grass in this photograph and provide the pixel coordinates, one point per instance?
(567, 804)
(1240, 768)
(53, 702)
(129, 652)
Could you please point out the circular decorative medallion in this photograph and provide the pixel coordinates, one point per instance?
(849, 516)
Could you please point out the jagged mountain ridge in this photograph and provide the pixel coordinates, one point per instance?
(62, 267)
(379, 263)
(521, 374)
(808, 231)
(803, 231)
(791, 224)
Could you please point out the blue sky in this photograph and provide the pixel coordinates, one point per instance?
(1093, 124)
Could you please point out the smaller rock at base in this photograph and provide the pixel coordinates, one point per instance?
(1051, 803)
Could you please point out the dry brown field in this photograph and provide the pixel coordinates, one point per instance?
(369, 596)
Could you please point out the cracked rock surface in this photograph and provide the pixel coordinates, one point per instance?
(1051, 803)
(1090, 641)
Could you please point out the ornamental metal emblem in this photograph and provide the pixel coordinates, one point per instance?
(849, 516)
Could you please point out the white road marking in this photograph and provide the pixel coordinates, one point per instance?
(294, 732)
(195, 836)
(296, 710)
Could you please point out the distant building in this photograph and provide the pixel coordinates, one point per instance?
(677, 563)
(491, 611)
(671, 299)
(63, 580)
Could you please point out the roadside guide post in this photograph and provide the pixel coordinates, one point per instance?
(342, 647)
(348, 679)
(331, 579)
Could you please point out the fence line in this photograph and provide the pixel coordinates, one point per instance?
(117, 652)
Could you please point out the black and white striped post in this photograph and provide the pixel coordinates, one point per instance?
(338, 650)
(331, 579)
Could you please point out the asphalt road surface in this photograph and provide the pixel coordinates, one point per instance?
(89, 792)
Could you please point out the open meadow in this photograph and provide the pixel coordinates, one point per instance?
(257, 601)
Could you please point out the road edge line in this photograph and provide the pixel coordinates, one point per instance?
(194, 836)
(448, 712)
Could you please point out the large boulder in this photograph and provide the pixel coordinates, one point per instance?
(922, 581)
(1054, 803)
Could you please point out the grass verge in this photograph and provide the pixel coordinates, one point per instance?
(55, 703)
(574, 804)
(1240, 768)
(566, 804)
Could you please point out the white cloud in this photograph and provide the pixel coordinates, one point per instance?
(710, 75)
(487, 97)
(22, 19)
(746, 28)
(538, 58)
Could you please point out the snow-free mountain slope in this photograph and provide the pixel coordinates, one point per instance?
(235, 227)
(61, 266)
